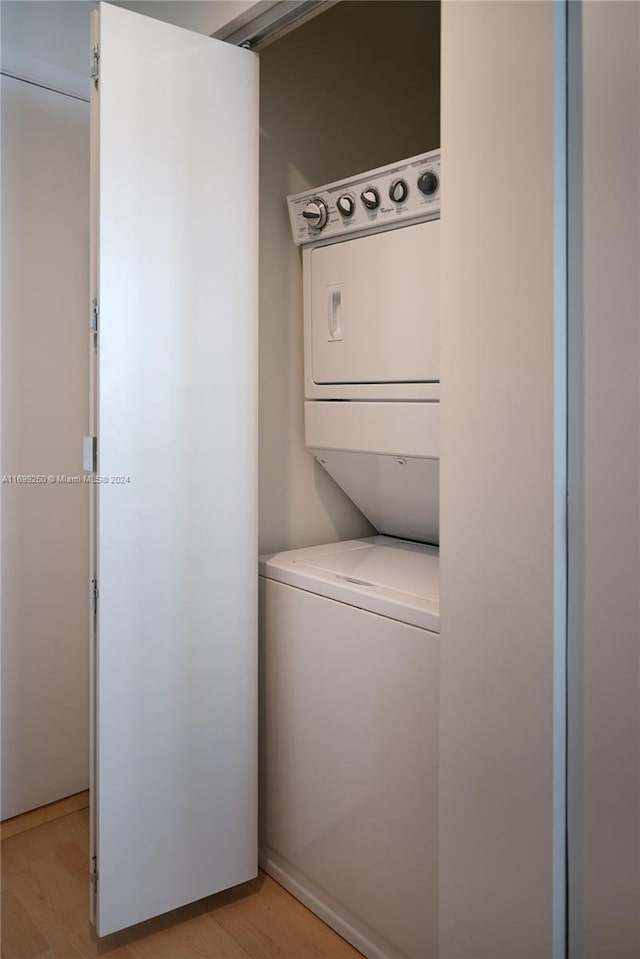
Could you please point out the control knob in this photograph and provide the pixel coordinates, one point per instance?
(428, 183)
(316, 214)
(371, 198)
(346, 205)
(398, 191)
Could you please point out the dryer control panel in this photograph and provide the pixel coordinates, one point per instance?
(406, 191)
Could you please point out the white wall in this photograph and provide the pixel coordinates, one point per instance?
(356, 103)
(605, 542)
(45, 343)
(48, 41)
(497, 481)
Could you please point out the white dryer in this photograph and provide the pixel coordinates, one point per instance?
(349, 738)
(371, 273)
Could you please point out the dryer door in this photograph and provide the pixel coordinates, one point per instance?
(373, 307)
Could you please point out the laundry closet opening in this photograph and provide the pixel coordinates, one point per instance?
(355, 88)
(349, 641)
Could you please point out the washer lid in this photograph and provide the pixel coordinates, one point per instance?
(387, 576)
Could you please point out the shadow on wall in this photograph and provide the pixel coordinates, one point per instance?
(353, 89)
(361, 85)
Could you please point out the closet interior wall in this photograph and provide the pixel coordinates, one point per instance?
(355, 88)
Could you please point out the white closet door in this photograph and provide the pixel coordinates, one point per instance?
(175, 134)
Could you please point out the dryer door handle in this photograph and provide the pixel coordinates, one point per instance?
(335, 314)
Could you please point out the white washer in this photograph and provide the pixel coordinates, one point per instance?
(349, 738)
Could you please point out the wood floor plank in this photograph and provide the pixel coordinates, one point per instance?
(57, 905)
(195, 938)
(36, 817)
(45, 877)
(273, 924)
(133, 941)
(72, 857)
(21, 937)
(77, 827)
(25, 848)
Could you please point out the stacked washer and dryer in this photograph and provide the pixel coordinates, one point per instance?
(350, 631)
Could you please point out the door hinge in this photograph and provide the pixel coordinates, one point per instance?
(95, 65)
(95, 316)
(93, 596)
(94, 874)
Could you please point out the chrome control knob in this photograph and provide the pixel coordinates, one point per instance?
(346, 205)
(371, 198)
(398, 191)
(316, 214)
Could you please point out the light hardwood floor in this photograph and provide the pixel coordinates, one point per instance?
(45, 911)
(36, 817)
